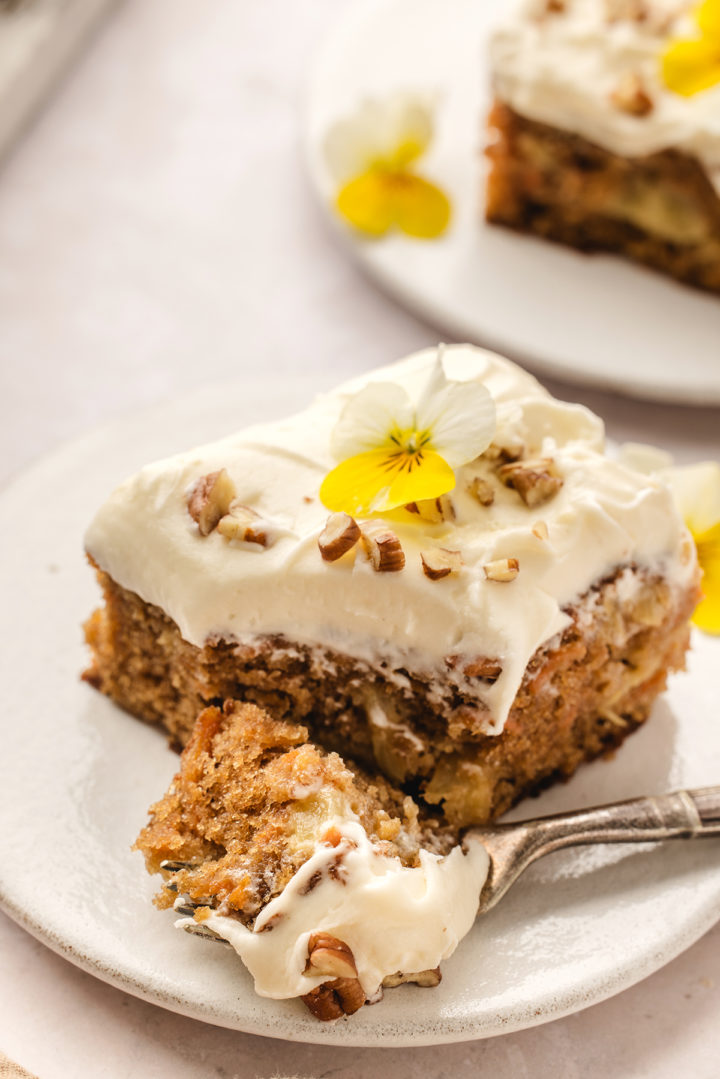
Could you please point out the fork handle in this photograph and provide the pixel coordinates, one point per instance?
(513, 847)
(687, 814)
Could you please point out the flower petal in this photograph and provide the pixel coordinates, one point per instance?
(412, 131)
(420, 208)
(370, 418)
(688, 67)
(707, 613)
(388, 133)
(352, 144)
(368, 483)
(459, 415)
(367, 203)
(697, 494)
(708, 17)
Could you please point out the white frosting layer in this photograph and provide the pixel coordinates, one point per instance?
(605, 515)
(392, 918)
(562, 69)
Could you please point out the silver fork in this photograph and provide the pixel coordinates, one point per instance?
(513, 847)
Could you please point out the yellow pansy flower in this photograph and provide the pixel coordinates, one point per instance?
(394, 451)
(372, 155)
(690, 65)
(697, 494)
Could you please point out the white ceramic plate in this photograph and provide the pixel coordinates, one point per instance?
(77, 776)
(596, 320)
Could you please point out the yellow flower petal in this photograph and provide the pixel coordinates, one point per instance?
(379, 199)
(707, 613)
(367, 203)
(407, 151)
(708, 17)
(420, 208)
(688, 67)
(375, 482)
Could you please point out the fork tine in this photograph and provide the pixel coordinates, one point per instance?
(197, 930)
(202, 931)
(187, 906)
(174, 867)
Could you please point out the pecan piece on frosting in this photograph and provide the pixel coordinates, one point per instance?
(340, 534)
(382, 547)
(433, 510)
(328, 955)
(343, 994)
(332, 1000)
(439, 562)
(535, 481)
(428, 979)
(243, 523)
(482, 491)
(209, 500)
(631, 96)
(502, 569)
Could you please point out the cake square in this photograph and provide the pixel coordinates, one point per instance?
(596, 142)
(471, 647)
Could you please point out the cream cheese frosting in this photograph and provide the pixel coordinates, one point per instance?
(392, 918)
(604, 516)
(561, 68)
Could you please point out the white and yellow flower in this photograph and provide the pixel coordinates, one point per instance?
(697, 494)
(372, 156)
(691, 65)
(394, 451)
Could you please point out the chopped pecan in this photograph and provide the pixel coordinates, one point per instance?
(244, 524)
(439, 562)
(631, 96)
(428, 979)
(328, 955)
(433, 510)
(209, 500)
(332, 1000)
(482, 491)
(632, 10)
(340, 534)
(502, 569)
(534, 480)
(382, 547)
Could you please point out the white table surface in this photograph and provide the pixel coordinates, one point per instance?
(156, 234)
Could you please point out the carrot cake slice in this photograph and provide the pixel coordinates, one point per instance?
(435, 568)
(604, 130)
(328, 883)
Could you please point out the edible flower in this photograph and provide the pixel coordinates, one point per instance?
(394, 451)
(690, 65)
(697, 493)
(696, 489)
(372, 155)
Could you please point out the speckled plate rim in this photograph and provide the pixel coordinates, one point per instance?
(397, 1021)
(594, 320)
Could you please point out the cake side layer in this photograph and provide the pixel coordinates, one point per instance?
(568, 64)
(659, 210)
(542, 500)
(581, 694)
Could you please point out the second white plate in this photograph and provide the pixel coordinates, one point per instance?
(591, 319)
